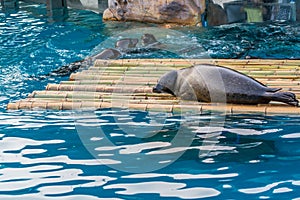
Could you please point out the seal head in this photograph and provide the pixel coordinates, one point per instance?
(167, 83)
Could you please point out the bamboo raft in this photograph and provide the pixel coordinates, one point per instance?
(128, 83)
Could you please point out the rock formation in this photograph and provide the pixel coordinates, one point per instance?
(157, 11)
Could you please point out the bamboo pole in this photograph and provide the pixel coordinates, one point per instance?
(137, 71)
(124, 68)
(174, 62)
(149, 72)
(115, 101)
(272, 82)
(163, 69)
(99, 88)
(97, 95)
(125, 88)
(232, 64)
(154, 78)
(79, 76)
(107, 82)
(199, 108)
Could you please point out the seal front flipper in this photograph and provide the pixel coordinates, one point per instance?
(273, 89)
(285, 97)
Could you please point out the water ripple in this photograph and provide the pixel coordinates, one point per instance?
(268, 187)
(164, 189)
(43, 157)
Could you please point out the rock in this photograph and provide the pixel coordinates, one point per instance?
(177, 11)
(216, 15)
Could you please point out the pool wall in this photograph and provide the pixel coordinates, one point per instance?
(94, 5)
(200, 13)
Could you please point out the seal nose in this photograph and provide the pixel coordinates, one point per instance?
(121, 13)
(157, 89)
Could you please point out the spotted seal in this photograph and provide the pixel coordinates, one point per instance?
(106, 54)
(148, 40)
(126, 43)
(210, 83)
(74, 66)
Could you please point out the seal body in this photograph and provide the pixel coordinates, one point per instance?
(74, 66)
(107, 54)
(126, 43)
(210, 83)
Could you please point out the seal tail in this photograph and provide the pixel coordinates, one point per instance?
(285, 97)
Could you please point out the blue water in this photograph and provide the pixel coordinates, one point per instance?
(65, 154)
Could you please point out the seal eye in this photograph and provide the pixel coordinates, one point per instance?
(116, 4)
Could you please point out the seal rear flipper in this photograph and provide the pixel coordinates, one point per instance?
(285, 97)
